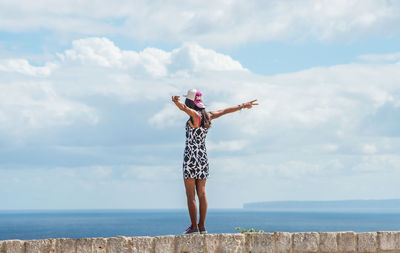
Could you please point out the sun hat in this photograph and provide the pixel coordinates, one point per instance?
(196, 97)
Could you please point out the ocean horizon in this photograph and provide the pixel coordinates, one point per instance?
(80, 223)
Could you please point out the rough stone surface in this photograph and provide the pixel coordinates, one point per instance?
(346, 241)
(305, 242)
(389, 241)
(327, 242)
(278, 242)
(84, 245)
(14, 246)
(164, 243)
(44, 245)
(191, 243)
(142, 244)
(232, 243)
(65, 245)
(260, 242)
(118, 244)
(211, 242)
(283, 242)
(99, 245)
(367, 242)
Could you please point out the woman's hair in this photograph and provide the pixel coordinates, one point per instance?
(205, 119)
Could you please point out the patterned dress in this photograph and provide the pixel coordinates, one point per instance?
(195, 162)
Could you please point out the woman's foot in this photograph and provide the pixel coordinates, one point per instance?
(191, 230)
(202, 230)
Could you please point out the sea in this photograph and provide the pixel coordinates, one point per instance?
(38, 224)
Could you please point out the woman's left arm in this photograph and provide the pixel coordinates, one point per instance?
(219, 113)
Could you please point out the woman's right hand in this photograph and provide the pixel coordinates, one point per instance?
(175, 98)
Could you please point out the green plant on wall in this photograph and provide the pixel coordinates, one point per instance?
(242, 230)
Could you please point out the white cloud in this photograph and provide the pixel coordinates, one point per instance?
(152, 173)
(309, 124)
(193, 58)
(186, 59)
(216, 23)
(103, 52)
(81, 187)
(169, 116)
(98, 51)
(96, 66)
(378, 163)
(32, 105)
(336, 97)
(331, 99)
(260, 167)
(380, 57)
(231, 145)
(369, 149)
(22, 66)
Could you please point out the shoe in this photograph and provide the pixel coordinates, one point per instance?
(202, 230)
(189, 230)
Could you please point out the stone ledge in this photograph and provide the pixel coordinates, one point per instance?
(278, 242)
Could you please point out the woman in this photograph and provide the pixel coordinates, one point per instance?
(195, 162)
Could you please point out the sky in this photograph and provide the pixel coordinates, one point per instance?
(87, 122)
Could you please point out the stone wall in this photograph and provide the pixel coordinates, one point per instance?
(305, 242)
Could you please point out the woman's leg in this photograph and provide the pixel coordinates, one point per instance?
(190, 185)
(201, 193)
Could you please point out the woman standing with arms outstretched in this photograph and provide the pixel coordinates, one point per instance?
(195, 162)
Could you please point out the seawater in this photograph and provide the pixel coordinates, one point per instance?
(106, 223)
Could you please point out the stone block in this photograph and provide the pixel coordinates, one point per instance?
(119, 244)
(283, 242)
(367, 242)
(84, 245)
(65, 245)
(232, 243)
(14, 246)
(260, 242)
(389, 241)
(44, 245)
(99, 245)
(305, 242)
(191, 243)
(327, 242)
(164, 244)
(211, 243)
(142, 244)
(347, 242)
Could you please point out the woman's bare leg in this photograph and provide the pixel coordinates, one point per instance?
(201, 194)
(190, 185)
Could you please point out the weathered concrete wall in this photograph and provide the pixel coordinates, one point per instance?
(278, 242)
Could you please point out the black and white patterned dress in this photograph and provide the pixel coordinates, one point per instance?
(195, 162)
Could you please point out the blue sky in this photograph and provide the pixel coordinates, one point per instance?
(87, 121)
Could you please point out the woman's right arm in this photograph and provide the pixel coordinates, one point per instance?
(192, 113)
(219, 113)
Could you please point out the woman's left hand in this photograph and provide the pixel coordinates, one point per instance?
(250, 104)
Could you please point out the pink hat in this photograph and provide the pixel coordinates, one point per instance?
(196, 97)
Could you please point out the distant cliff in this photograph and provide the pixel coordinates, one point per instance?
(389, 205)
